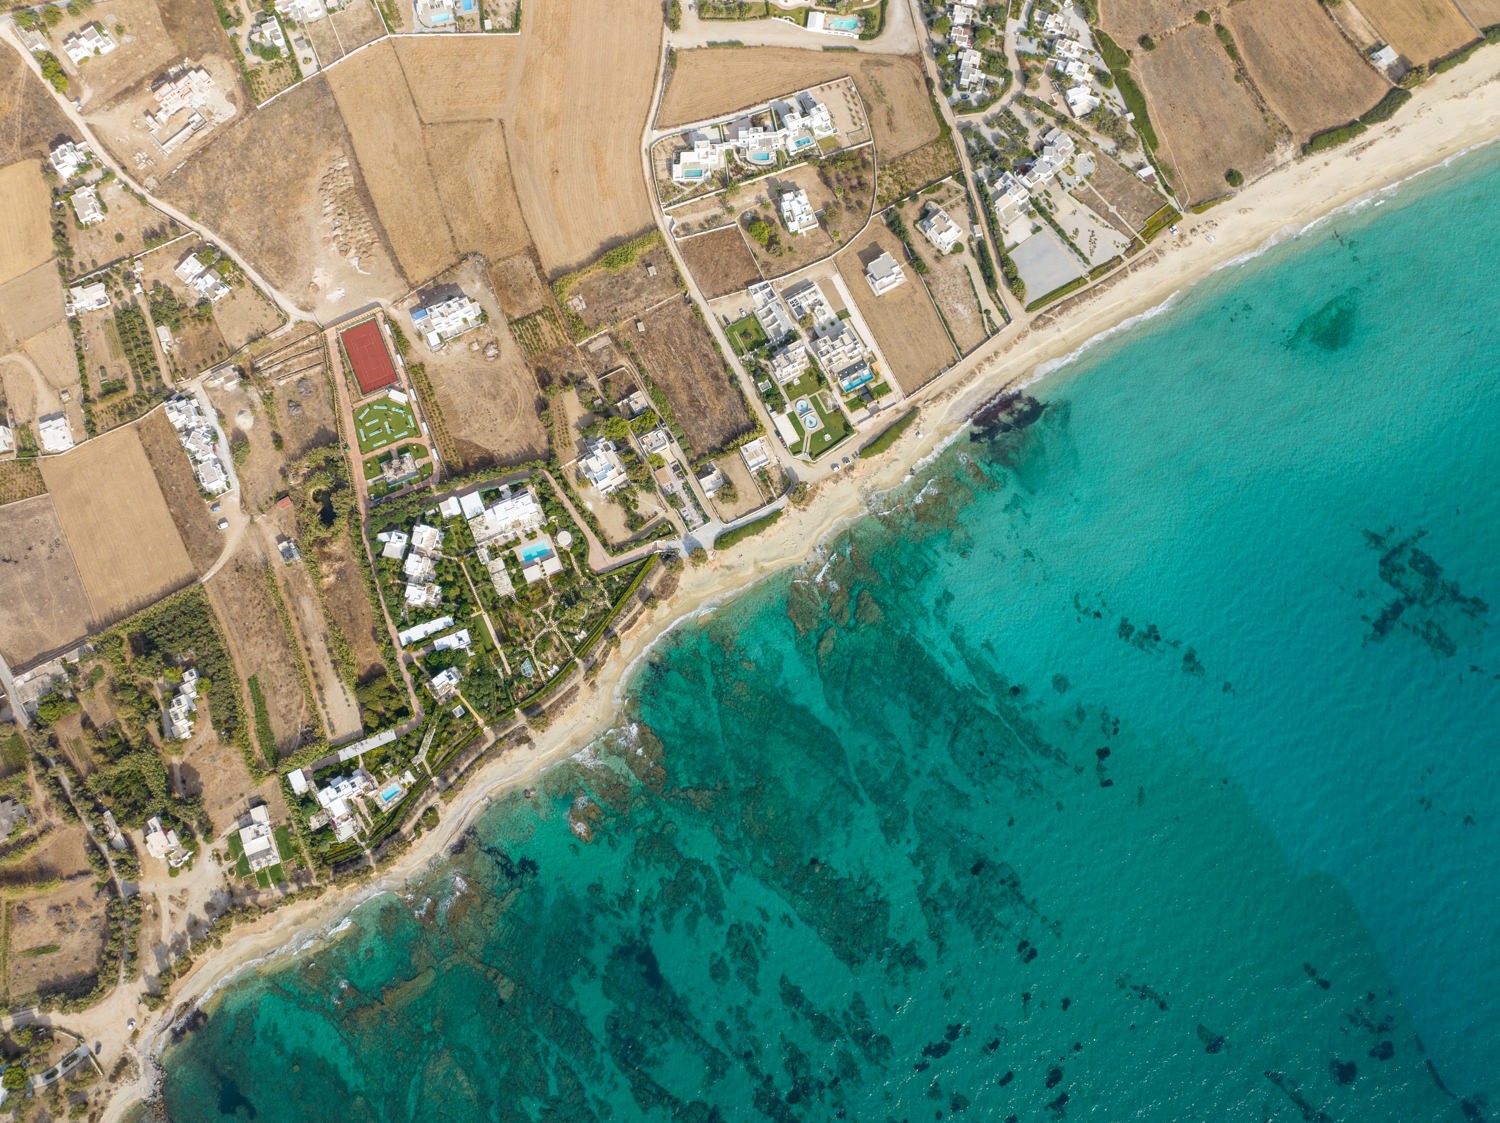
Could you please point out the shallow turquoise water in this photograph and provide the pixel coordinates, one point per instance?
(1138, 765)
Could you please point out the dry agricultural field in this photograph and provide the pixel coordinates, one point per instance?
(1421, 30)
(69, 918)
(716, 81)
(117, 524)
(242, 596)
(680, 357)
(174, 472)
(719, 262)
(1208, 123)
(1485, 13)
(29, 118)
(45, 605)
(1309, 74)
(610, 295)
(907, 328)
(282, 212)
(31, 304)
(26, 234)
(1127, 20)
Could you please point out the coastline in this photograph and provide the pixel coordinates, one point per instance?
(1450, 114)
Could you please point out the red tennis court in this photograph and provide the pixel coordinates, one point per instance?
(368, 356)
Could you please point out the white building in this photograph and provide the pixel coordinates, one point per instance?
(790, 363)
(53, 433)
(428, 595)
(771, 312)
(970, 69)
(838, 348)
(426, 540)
(418, 568)
(538, 558)
(303, 11)
(1082, 100)
(69, 158)
(199, 440)
(800, 121)
(7, 439)
(259, 841)
(165, 846)
(453, 641)
(1010, 198)
(267, 34)
(807, 299)
(755, 455)
(417, 632)
(337, 800)
(190, 91)
(87, 42)
(797, 212)
(512, 517)
(183, 707)
(602, 467)
(446, 319)
(86, 206)
(392, 544)
(201, 278)
(884, 274)
(87, 298)
(444, 684)
(940, 230)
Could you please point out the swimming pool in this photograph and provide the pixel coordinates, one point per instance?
(844, 23)
(540, 551)
(468, 5)
(439, 17)
(391, 794)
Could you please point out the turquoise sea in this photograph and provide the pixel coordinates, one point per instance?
(1139, 764)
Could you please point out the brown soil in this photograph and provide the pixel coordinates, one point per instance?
(70, 916)
(357, 23)
(519, 285)
(117, 523)
(175, 475)
(242, 599)
(467, 79)
(1127, 20)
(29, 119)
(1302, 64)
(680, 357)
(31, 304)
(26, 235)
(948, 278)
(716, 81)
(841, 198)
(611, 296)
(720, 262)
(1208, 123)
(276, 182)
(475, 188)
(95, 246)
(1119, 195)
(46, 606)
(907, 328)
(349, 605)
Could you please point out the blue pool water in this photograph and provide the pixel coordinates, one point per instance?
(1135, 765)
(535, 553)
(390, 794)
(844, 23)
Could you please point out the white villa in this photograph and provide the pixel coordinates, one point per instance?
(755, 455)
(53, 433)
(771, 312)
(444, 684)
(797, 212)
(266, 33)
(446, 319)
(69, 158)
(88, 42)
(418, 632)
(940, 230)
(970, 69)
(199, 440)
(1012, 192)
(86, 206)
(453, 641)
(835, 344)
(259, 841)
(303, 11)
(336, 800)
(87, 298)
(603, 467)
(392, 544)
(800, 122)
(789, 363)
(511, 517)
(884, 274)
(199, 277)
(165, 846)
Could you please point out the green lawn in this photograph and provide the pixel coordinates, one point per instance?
(745, 335)
(284, 845)
(263, 879)
(835, 427)
(237, 855)
(382, 423)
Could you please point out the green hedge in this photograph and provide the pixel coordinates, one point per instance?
(1057, 294)
(740, 533)
(888, 435)
(1386, 107)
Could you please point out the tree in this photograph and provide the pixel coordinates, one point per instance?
(1203, 17)
(761, 231)
(1147, 42)
(15, 1079)
(674, 15)
(1234, 178)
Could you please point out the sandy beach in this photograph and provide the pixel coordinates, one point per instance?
(1449, 114)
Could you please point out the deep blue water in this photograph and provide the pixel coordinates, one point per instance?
(1139, 764)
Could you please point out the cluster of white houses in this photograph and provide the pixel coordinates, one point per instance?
(183, 708)
(186, 90)
(830, 340)
(1069, 64)
(199, 440)
(259, 841)
(799, 122)
(420, 565)
(89, 41)
(1011, 191)
(69, 157)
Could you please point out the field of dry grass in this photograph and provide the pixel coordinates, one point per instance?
(1485, 13)
(475, 188)
(70, 918)
(174, 473)
(1118, 195)
(283, 185)
(1421, 30)
(949, 278)
(117, 524)
(45, 603)
(719, 262)
(376, 104)
(609, 296)
(574, 138)
(30, 304)
(1127, 20)
(241, 593)
(26, 234)
(713, 81)
(907, 328)
(520, 286)
(464, 79)
(1309, 74)
(29, 118)
(1208, 123)
(679, 356)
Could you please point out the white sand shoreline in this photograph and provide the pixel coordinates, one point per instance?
(1447, 117)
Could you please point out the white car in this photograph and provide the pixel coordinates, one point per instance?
(223, 524)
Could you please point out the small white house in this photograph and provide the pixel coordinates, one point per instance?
(797, 212)
(884, 274)
(446, 319)
(939, 229)
(86, 206)
(88, 42)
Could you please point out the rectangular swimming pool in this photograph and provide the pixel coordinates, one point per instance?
(844, 23)
(390, 795)
(539, 552)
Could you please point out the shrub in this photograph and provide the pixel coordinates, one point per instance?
(1234, 177)
(1203, 17)
(1147, 43)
